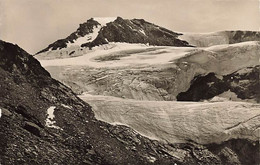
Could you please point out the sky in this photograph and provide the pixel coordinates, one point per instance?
(34, 24)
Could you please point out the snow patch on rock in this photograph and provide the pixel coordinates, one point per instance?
(142, 31)
(50, 122)
(86, 39)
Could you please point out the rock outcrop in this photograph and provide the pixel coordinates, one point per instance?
(245, 83)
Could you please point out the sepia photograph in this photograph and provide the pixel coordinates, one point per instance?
(129, 82)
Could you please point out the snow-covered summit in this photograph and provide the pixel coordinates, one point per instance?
(103, 30)
(104, 20)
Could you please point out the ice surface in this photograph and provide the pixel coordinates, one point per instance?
(224, 46)
(160, 55)
(205, 39)
(172, 121)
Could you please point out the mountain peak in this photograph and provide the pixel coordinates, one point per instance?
(102, 30)
(104, 20)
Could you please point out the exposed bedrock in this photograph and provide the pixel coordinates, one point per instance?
(244, 83)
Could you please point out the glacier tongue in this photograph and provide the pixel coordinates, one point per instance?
(174, 122)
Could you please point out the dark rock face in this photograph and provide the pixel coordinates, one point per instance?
(237, 151)
(243, 36)
(136, 31)
(244, 83)
(201, 89)
(33, 128)
(122, 30)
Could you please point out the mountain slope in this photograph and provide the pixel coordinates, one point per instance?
(83, 33)
(100, 31)
(136, 31)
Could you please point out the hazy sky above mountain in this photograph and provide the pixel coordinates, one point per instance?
(33, 24)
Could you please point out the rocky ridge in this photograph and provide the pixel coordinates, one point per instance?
(136, 31)
(84, 29)
(93, 33)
